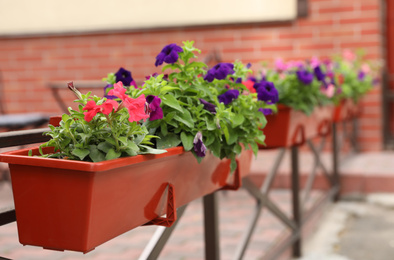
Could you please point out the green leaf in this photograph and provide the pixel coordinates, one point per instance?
(81, 153)
(171, 101)
(237, 120)
(110, 140)
(168, 141)
(166, 89)
(95, 154)
(105, 146)
(150, 150)
(123, 140)
(233, 165)
(132, 146)
(163, 128)
(185, 118)
(112, 154)
(187, 141)
(215, 148)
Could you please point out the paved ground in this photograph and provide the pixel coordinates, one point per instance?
(355, 230)
(347, 228)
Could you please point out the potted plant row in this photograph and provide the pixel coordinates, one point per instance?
(310, 95)
(125, 159)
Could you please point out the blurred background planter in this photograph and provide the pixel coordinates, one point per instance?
(291, 127)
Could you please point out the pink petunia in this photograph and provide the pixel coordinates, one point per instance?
(118, 91)
(136, 108)
(92, 108)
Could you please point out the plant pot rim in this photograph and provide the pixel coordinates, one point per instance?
(21, 157)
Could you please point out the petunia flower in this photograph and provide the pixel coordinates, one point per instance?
(280, 65)
(249, 85)
(304, 76)
(219, 71)
(319, 74)
(348, 55)
(169, 54)
(106, 94)
(208, 106)
(92, 108)
(136, 108)
(361, 75)
(154, 109)
(124, 76)
(266, 111)
(228, 96)
(118, 91)
(199, 147)
(266, 91)
(329, 91)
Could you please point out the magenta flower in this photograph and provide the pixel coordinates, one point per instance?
(228, 96)
(219, 71)
(154, 108)
(169, 54)
(199, 148)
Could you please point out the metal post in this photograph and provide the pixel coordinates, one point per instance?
(211, 227)
(295, 185)
(335, 161)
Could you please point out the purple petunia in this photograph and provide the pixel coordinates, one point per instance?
(361, 75)
(219, 71)
(266, 111)
(305, 76)
(208, 106)
(169, 54)
(319, 74)
(106, 94)
(154, 108)
(228, 96)
(124, 76)
(199, 148)
(267, 92)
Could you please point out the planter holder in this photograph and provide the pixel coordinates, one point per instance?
(346, 110)
(290, 127)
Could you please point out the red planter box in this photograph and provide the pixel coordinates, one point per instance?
(346, 110)
(292, 127)
(74, 205)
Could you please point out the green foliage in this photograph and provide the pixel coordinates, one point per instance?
(294, 93)
(238, 123)
(349, 84)
(105, 137)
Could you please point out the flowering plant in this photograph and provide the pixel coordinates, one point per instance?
(300, 85)
(354, 76)
(200, 109)
(101, 129)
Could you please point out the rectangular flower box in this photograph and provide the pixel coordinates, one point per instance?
(74, 205)
(291, 127)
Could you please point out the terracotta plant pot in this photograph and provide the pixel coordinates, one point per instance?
(346, 110)
(291, 127)
(74, 205)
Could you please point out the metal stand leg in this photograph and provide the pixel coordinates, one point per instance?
(160, 238)
(295, 182)
(335, 160)
(211, 226)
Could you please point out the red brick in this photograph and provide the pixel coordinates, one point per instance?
(295, 35)
(360, 20)
(336, 10)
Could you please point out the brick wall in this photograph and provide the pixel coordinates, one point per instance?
(29, 63)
